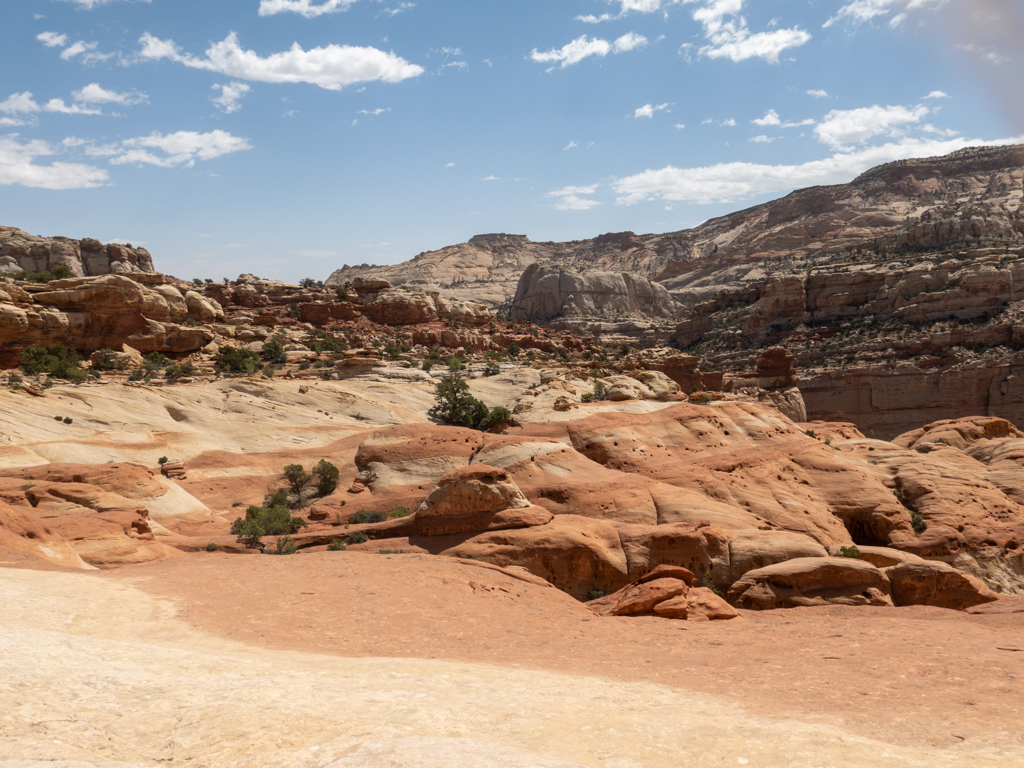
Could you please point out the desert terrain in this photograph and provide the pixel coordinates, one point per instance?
(750, 494)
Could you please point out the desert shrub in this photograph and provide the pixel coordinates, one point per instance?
(162, 460)
(587, 397)
(309, 282)
(811, 433)
(58, 361)
(392, 350)
(492, 369)
(512, 350)
(157, 359)
(563, 353)
(268, 371)
(392, 552)
(398, 512)
(212, 547)
(917, 522)
(237, 360)
(273, 350)
(364, 516)
(498, 417)
(182, 369)
(707, 583)
(59, 272)
(325, 476)
(341, 292)
(453, 404)
(357, 538)
(595, 594)
(58, 418)
(285, 546)
(296, 477)
(427, 365)
(338, 545)
(265, 521)
(13, 379)
(531, 355)
(68, 420)
(851, 552)
(454, 363)
(107, 360)
(600, 390)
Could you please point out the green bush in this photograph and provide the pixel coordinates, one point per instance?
(434, 354)
(398, 512)
(363, 517)
(851, 552)
(58, 361)
(492, 369)
(285, 546)
(265, 521)
(392, 350)
(182, 369)
(342, 293)
(296, 477)
(59, 272)
(454, 363)
(309, 282)
(212, 547)
(107, 360)
(68, 420)
(587, 397)
(338, 545)
(273, 350)
(709, 584)
(237, 360)
(427, 365)
(600, 390)
(357, 538)
(595, 594)
(453, 404)
(512, 350)
(917, 522)
(325, 476)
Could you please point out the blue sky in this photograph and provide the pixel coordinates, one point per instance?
(287, 137)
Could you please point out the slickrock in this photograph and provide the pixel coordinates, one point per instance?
(930, 583)
(812, 581)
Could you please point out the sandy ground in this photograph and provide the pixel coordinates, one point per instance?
(348, 659)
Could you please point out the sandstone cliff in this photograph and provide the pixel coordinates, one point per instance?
(20, 251)
(546, 293)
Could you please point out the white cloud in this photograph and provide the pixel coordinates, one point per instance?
(230, 96)
(680, 126)
(937, 95)
(771, 118)
(818, 94)
(628, 42)
(52, 39)
(860, 11)
(853, 126)
(19, 103)
(985, 53)
(731, 182)
(450, 165)
(94, 94)
(761, 140)
(582, 47)
(570, 145)
(373, 112)
(90, 4)
(492, 177)
(730, 123)
(732, 39)
(58, 105)
(648, 110)
(332, 67)
(76, 48)
(181, 148)
(568, 198)
(303, 7)
(10, 122)
(18, 166)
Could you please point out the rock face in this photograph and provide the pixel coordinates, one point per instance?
(92, 313)
(547, 293)
(20, 251)
(811, 581)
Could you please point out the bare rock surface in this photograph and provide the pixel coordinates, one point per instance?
(20, 251)
(812, 581)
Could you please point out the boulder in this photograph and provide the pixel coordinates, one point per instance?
(936, 584)
(639, 598)
(701, 604)
(809, 582)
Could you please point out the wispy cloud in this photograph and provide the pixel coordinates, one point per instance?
(18, 166)
(230, 97)
(568, 198)
(332, 67)
(648, 110)
(583, 47)
(183, 148)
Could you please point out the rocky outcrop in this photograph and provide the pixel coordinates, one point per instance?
(547, 293)
(92, 313)
(22, 252)
(810, 582)
(668, 591)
